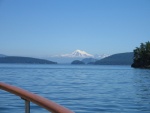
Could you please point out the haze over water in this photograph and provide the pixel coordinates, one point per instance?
(83, 89)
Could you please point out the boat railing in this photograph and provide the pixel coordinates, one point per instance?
(30, 97)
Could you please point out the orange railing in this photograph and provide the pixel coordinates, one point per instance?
(30, 97)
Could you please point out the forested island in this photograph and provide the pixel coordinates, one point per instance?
(142, 56)
(24, 60)
(117, 59)
(77, 62)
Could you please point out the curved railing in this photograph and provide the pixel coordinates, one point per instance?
(30, 97)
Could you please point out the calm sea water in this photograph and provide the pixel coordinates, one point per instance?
(83, 89)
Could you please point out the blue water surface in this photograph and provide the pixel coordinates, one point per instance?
(81, 88)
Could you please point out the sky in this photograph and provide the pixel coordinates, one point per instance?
(41, 28)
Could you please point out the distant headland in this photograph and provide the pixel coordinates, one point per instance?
(24, 60)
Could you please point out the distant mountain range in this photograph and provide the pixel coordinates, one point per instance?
(24, 60)
(78, 56)
(116, 59)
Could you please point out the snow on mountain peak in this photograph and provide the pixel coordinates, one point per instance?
(78, 53)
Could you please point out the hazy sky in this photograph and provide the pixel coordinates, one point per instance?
(51, 27)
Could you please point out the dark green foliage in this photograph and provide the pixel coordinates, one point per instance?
(26, 60)
(77, 62)
(117, 59)
(142, 56)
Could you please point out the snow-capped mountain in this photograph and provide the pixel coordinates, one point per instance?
(78, 53)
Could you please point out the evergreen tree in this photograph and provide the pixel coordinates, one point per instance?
(142, 56)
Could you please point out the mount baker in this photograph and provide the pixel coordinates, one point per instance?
(76, 55)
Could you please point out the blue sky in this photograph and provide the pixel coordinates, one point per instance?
(51, 27)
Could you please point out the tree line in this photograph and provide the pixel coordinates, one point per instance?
(142, 56)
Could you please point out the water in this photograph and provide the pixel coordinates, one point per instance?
(83, 89)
